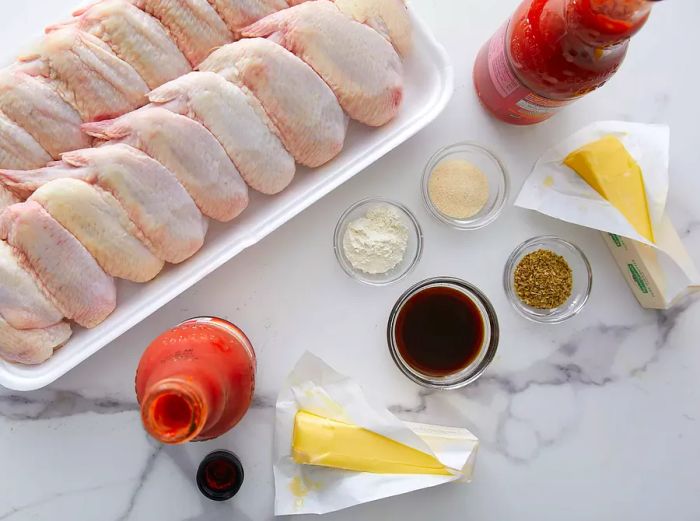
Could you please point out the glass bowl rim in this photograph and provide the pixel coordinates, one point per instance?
(338, 237)
(501, 197)
(513, 297)
(472, 292)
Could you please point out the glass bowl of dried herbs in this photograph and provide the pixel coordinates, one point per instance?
(548, 279)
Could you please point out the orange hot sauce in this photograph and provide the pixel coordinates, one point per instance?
(195, 382)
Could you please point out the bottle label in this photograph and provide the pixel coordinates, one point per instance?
(502, 77)
(520, 102)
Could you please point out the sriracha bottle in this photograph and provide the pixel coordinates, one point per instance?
(195, 381)
(552, 52)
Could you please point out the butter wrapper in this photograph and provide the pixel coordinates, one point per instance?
(655, 278)
(315, 387)
(658, 273)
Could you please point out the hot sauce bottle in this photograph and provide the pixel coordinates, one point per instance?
(552, 52)
(195, 381)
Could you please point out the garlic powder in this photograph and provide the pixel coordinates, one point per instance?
(377, 242)
(458, 189)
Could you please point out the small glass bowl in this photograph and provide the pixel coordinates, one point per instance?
(580, 271)
(414, 248)
(490, 165)
(488, 348)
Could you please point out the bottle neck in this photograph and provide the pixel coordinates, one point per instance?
(175, 410)
(604, 23)
(195, 381)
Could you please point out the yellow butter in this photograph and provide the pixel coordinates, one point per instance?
(329, 443)
(609, 168)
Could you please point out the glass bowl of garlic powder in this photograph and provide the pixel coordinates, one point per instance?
(377, 241)
(465, 186)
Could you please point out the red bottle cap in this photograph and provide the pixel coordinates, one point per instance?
(220, 475)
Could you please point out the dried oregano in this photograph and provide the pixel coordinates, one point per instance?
(543, 280)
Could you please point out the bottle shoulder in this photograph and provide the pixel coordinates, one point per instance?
(560, 65)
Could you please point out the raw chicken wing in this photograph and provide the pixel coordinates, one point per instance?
(86, 74)
(136, 37)
(360, 66)
(188, 150)
(35, 106)
(23, 305)
(64, 268)
(7, 198)
(239, 123)
(151, 195)
(239, 13)
(193, 24)
(97, 220)
(389, 17)
(18, 149)
(311, 123)
(31, 346)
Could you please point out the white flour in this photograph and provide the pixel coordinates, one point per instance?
(377, 242)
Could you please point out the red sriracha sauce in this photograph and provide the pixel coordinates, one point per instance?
(552, 52)
(196, 381)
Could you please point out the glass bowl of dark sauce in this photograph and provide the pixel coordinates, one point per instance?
(443, 333)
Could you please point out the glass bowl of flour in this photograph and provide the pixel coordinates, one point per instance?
(377, 241)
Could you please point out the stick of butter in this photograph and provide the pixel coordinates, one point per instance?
(657, 282)
(610, 170)
(616, 181)
(330, 443)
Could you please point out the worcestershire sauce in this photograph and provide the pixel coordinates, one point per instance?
(439, 331)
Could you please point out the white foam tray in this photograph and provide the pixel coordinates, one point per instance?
(428, 88)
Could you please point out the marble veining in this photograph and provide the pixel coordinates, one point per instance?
(596, 418)
(143, 476)
(48, 404)
(570, 365)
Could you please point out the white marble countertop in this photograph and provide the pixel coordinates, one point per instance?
(596, 419)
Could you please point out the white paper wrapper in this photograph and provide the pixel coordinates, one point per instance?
(305, 489)
(556, 190)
